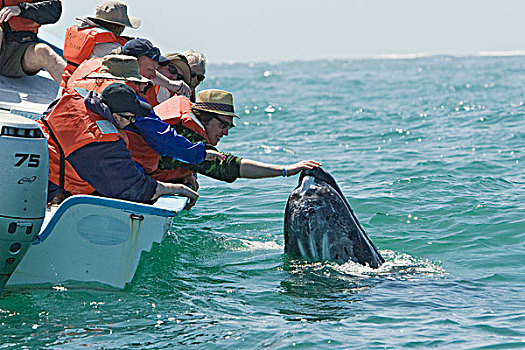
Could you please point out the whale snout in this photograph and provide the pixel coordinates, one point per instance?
(320, 225)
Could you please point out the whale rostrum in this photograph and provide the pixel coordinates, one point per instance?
(319, 224)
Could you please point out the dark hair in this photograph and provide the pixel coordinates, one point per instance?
(203, 116)
(121, 98)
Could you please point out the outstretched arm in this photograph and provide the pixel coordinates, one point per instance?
(177, 86)
(166, 142)
(252, 169)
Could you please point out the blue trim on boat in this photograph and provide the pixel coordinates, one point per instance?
(166, 206)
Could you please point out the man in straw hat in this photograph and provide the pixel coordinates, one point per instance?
(149, 137)
(97, 36)
(212, 118)
(20, 52)
(87, 152)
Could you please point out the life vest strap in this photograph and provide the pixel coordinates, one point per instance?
(72, 63)
(61, 174)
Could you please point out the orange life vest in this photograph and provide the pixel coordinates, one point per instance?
(141, 153)
(68, 127)
(177, 110)
(79, 44)
(17, 23)
(77, 79)
(151, 95)
(173, 111)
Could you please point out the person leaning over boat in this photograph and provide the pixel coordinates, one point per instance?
(149, 131)
(208, 120)
(87, 150)
(97, 36)
(177, 69)
(150, 59)
(20, 52)
(197, 62)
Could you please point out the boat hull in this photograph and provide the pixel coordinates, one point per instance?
(94, 239)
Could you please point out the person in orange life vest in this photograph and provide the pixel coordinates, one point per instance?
(97, 73)
(177, 69)
(97, 36)
(212, 119)
(150, 59)
(197, 63)
(20, 52)
(88, 153)
(149, 137)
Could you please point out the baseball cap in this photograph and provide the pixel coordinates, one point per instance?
(121, 98)
(143, 47)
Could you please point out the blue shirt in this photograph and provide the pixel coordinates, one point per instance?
(165, 141)
(107, 166)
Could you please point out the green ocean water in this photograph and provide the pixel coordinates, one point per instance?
(430, 154)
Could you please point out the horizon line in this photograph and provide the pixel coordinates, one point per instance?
(391, 56)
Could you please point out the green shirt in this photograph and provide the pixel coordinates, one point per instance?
(227, 170)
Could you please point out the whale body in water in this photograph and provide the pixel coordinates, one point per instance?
(319, 224)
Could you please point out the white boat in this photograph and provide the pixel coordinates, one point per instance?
(95, 239)
(86, 238)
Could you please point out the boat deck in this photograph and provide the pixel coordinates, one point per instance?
(28, 96)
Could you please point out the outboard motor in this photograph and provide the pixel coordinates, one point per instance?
(23, 188)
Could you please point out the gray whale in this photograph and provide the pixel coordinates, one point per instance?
(319, 224)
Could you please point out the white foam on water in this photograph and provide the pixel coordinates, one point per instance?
(500, 53)
(397, 266)
(248, 245)
(405, 56)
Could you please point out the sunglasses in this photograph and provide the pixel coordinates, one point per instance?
(200, 77)
(128, 117)
(173, 70)
(224, 124)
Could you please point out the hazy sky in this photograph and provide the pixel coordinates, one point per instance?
(241, 30)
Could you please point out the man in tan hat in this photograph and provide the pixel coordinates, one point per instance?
(20, 52)
(212, 119)
(98, 72)
(97, 36)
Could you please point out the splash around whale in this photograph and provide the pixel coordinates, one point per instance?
(319, 224)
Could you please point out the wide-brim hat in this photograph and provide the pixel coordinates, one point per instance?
(115, 12)
(181, 62)
(215, 101)
(120, 67)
